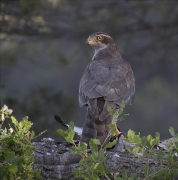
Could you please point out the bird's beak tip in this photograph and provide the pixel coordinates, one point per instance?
(87, 43)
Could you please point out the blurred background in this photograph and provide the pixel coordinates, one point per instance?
(43, 56)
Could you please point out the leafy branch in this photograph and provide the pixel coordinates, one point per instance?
(92, 163)
(148, 147)
(16, 160)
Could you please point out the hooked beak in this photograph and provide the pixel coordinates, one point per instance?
(87, 43)
(90, 41)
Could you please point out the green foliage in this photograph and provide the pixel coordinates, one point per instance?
(117, 113)
(15, 149)
(92, 165)
(145, 145)
(81, 149)
(38, 97)
(125, 176)
(112, 128)
(144, 141)
(111, 144)
(68, 134)
(173, 149)
(172, 132)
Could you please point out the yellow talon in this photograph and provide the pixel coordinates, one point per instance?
(117, 132)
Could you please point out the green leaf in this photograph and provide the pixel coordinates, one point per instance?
(10, 157)
(157, 135)
(133, 175)
(25, 123)
(149, 140)
(71, 126)
(95, 141)
(100, 157)
(145, 169)
(99, 169)
(94, 144)
(14, 121)
(121, 107)
(124, 174)
(144, 141)
(81, 149)
(70, 137)
(112, 128)
(151, 154)
(130, 136)
(130, 178)
(68, 134)
(171, 131)
(110, 111)
(111, 144)
(62, 133)
(135, 150)
(154, 142)
(123, 117)
(12, 169)
(96, 165)
(118, 178)
(137, 139)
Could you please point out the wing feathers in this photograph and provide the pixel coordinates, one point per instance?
(112, 80)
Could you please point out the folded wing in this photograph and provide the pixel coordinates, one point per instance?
(113, 80)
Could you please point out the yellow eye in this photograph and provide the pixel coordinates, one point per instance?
(99, 38)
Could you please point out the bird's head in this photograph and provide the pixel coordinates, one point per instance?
(99, 40)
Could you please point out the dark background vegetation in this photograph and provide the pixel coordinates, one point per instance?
(43, 56)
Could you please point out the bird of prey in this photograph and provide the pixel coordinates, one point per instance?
(106, 82)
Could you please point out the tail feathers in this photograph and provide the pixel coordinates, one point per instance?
(104, 114)
(103, 130)
(95, 128)
(88, 129)
(59, 120)
(78, 130)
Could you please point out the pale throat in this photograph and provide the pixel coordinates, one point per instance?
(98, 50)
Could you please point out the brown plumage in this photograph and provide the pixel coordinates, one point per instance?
(106, 81)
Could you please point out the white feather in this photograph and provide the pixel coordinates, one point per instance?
(77, 129)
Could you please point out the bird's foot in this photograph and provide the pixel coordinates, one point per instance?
(118, 133)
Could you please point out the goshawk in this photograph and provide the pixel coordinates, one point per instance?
(106, 82)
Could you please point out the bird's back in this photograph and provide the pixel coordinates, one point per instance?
(106, 82)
